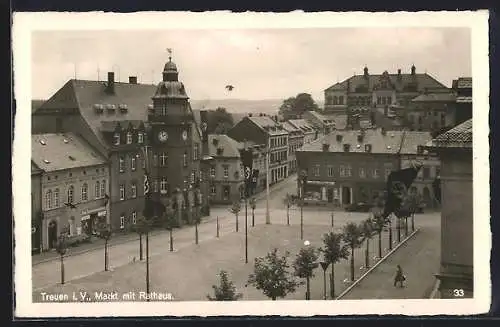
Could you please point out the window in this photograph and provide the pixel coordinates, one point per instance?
(341, 100)
(212, 189)
(184, 160)
(122, 192)
(121, 164)
(85, 189)
(193, 176)
(196, 151)
(122, 221)
(48, 199)
(226, 171)
(140, 138)
(103, 188)
(212, 171)
(155, 185)
(348, 171)
(116, 136)
(362, 173)
(163, 159)
(97, 191)
(375, 173)
(330, 171)
(56, 198)
(134, 217)
(155, 160)
(134, 190)
(144, 163)
(133, 163)
(342, 171)
(163, 185)
(129, 138)
(316, 170)
(71, 192)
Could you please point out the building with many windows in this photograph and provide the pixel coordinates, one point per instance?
(463, 89)
(454, 149)
(74, 186)
(36, 208)
(265, 131)
(310, 133)
(295, 141)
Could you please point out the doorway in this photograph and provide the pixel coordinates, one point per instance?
(330, 195)
(52, 237)
(346, 195)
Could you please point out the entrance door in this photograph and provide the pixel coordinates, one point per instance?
(52, 237)
(346, 195)
(330, 195)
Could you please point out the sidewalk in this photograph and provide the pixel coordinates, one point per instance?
(419, 258)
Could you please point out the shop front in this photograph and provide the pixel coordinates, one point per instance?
(91, 220)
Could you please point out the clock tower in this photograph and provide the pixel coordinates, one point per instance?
(175, 144)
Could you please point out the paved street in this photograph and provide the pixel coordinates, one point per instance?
(168, 269)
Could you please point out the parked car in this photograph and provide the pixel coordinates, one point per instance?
(359, 207)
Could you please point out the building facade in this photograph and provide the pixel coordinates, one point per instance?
(268, 132)
(454, 149)
(226, 170)
(36, 209)
(74, 186)
(432, 111)
(321, 123)
(308, 131)
(295, 141)
(463, 89)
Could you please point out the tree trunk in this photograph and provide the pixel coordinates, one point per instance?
(253, 217)
(236, 222)
(308, 289)
(332, 282)
(62, 269)
(288, 216)
(352, 263)
(171, 240)
(367, 253)
(406, 226)
(399, 229)
(196, 232)
(273, 298)
(380, 244)
(412, 222)
(140, 247)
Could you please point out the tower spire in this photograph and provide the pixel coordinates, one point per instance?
(169, 50)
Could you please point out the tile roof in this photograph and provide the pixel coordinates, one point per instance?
(230, 146)
(435, 97)
(423, 81)
(267, 124)
(324, 119)
(302, 124)
(381, 144)
(290, 128)
(35, 104)
(459, 136)
(412, 139)
(62, 151)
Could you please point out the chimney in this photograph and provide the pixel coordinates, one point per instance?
(399, 74)
(365, 72)
(413, 69)
(132, 79)
(111, 83)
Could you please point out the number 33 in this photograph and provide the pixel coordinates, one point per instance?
(458, 292)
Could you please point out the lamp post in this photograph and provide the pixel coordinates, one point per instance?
(308, 284)
(324, 266)
(61, 249)
(302, 182)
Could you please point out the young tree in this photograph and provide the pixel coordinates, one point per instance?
(226, 291)
(378, 227)
(353, 236)
(367, 230)
(169, 223)
(298, 105)
(333, 251)
(253, 205)
(304, 265)
(288, 202)
(272, 276)
(105, 233)
(235, 210)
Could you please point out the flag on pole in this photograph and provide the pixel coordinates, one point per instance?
(146, 184)
(247, 160)
(398, 183)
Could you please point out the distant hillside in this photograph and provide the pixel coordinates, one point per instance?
(240, 106)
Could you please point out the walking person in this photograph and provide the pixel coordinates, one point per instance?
(400, 277)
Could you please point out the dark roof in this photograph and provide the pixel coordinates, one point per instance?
(459, 136)
(435, 97)
(267, 124)
(302, 124)
(423, 81)
(381, 144)
(171, 90)
(52, 152)
(35, 170)
(464, 83)
(111, 126)
(290, 128)
(35, 104)
(412, 139)
(230, 146)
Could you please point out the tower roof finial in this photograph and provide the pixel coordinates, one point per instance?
(169, 50)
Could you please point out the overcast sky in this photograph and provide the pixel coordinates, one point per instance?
(261, 64)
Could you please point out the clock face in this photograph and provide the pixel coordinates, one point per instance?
(184, 135)
(162, 136)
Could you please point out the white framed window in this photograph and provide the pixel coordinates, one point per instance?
(196, 151)
(348, 171)
(122, 221)
(375, 173)
(163, 159)
(129, 138)
(56, 198)
(140, 138)
(71, 192)
(122, 192)
(116, 138)
(121, 164)
(184, 160)
(103, 188)
(134, 217)
(316, 170)
(97, 191)
(133, 163)
(212, 189)
(85, 189)
(48, 199)
(193, 176)
(133, 189)
(330, 171)
(362, 173)
(226, 171)
(342, 171)
(163, 185)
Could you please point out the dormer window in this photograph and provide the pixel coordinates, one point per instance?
(140, 138)
(339, 138)
(116, 137)
(347, 147)
(129, 138)
(368, 148)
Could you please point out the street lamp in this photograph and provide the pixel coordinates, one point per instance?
(61, 249)
(308, 285)
(324, 266)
